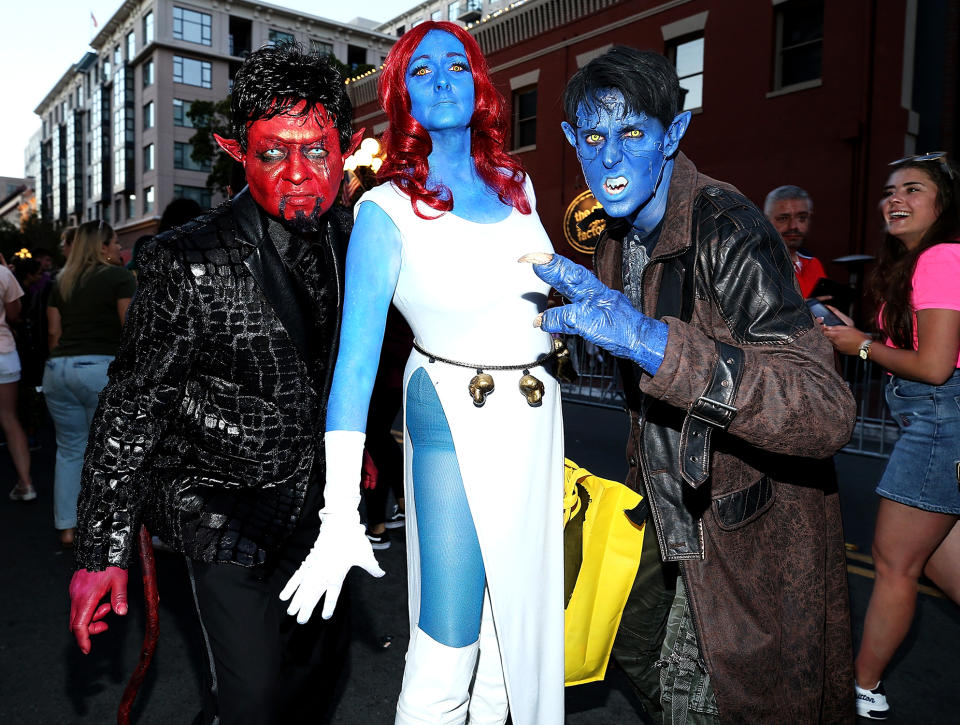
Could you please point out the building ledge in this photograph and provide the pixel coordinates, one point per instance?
(796, 88)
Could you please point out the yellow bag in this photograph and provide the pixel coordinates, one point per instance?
(601, 556)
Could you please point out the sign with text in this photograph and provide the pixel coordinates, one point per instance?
(583, 240)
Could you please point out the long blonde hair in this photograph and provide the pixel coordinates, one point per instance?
(86, 255)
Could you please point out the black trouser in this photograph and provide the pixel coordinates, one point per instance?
(263, 667)
(387, 455)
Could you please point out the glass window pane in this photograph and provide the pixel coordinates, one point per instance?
(802, 22)
(690, 57)
(801, 64)
(694, 88)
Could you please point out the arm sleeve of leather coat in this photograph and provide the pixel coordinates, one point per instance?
(788, 397)
(146, 380)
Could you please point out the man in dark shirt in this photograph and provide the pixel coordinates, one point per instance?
(211, 428)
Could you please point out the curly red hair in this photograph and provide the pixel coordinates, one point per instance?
(407, 143)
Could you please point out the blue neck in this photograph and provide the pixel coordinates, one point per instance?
(647, 217)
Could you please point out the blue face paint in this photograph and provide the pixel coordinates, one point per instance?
(440, 83)
(621, 153)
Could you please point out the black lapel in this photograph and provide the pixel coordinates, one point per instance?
(269, 271)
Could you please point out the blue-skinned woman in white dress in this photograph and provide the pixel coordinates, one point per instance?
(482, 425)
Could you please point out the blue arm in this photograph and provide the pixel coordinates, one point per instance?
(373, 265)
(601, 315)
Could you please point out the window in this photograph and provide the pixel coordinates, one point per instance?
(182, 158)
(278, 36)
(148, 28)
(320, 47)
(131, 45)
(149, 201)
(148, 73)
(191, 26)
(525, 117)
(799, 27)
(199, 194)
(117, 57)
(400, 30)
(436, 15)
(180, 111)
(687, 55)
(453, 11)
(356, 56)
(148, 157)
(149, 119)
(131, 200)
(191, 72)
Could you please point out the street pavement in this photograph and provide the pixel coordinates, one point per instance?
(44, 679)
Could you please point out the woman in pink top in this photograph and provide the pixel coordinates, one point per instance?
(10, 294)
(916, 285)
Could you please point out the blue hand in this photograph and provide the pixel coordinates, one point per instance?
(601, 315)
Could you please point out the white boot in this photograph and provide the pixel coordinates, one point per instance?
(488, 703)
(436, 682)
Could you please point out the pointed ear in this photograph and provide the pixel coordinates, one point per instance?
(354, 143)
(671, 139)
(570, 132)
(231, 146)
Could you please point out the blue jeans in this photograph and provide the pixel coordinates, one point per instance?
(71, 386)
(924, 466)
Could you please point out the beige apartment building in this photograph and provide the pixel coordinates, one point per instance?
(115, 132)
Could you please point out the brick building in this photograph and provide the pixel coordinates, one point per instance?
(807, 92)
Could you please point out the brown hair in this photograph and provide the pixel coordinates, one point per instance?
(891, 282)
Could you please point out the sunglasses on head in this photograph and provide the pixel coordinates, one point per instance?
(940, 156)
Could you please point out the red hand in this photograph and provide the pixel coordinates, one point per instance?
(368, 471)
(87, 588)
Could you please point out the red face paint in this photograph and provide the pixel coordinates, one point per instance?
(293, 164)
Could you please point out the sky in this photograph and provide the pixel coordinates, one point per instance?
(43, 38)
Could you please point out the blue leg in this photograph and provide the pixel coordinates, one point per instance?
(452, 576)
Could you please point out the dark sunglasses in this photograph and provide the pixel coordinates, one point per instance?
(940, 156)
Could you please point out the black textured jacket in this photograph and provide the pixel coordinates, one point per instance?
(725, 441)
(211, 426)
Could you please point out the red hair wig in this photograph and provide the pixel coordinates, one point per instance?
(407, 143)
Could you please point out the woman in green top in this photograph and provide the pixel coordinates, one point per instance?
(87, 307)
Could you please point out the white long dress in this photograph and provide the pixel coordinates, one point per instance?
(466, 298)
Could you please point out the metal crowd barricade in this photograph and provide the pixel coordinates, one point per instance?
(874, 434)
(875, 431)
(599, 379)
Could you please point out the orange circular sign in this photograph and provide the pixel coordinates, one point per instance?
(583, 240)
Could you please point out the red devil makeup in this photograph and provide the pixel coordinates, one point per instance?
(293, 164)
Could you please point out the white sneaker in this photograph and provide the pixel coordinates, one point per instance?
(872, 704)
(23, 494)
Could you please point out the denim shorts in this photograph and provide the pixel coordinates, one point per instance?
(9, 367)
(924, 467)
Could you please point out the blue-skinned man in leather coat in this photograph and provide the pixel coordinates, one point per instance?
(211, 428)
(739, 613)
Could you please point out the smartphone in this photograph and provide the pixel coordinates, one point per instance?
(818, 309)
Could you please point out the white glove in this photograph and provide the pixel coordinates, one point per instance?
(342, 543)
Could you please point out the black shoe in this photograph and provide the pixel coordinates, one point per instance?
(396, 520)
(379, 541)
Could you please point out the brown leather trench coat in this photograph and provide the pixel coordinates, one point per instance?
(758, 534)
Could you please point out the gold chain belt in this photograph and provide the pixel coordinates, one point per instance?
(481, 384)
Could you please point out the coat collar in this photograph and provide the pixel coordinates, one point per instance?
(270, 273)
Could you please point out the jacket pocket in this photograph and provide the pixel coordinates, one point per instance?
(741, 507)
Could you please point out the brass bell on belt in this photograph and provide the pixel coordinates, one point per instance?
(565, 372)
(481, 385)
(532, 389)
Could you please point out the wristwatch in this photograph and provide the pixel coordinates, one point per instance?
(864, 351)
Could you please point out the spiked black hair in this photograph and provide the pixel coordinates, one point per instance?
(275, 78)
(647, 80)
